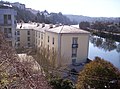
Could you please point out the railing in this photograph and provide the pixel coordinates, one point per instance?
(74, 45)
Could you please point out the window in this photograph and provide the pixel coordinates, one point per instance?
(36, 33)
(38, 42)
(74, 52)
(41, 44)
(18, 44)
(28, 44)
(48, 48)
(15, 21)
(53, 40)
(28, 38)
(28, 32)
(48, 38)
(73, 61)
(9, 30)
(53, 50)
(9, 17)
(5, 30)
(75, 40)
(41, 36)
(18, 38)
(5, 19)
(18, 32)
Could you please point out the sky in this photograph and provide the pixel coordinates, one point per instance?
(92, 8)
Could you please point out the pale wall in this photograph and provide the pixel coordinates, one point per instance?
(24, 37)
(66, 47)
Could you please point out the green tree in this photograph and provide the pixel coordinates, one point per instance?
(84, 25)
(98, 74)
(59, 83)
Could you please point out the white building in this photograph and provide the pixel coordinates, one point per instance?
(8, 23)
(70, 43)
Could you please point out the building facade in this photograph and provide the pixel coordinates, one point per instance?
(25, 36)
(8, 23)
(70, 43)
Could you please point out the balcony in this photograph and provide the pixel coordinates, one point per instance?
(74, 45)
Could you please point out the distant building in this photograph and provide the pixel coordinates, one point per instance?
(19, 5)
(8, 23)
(25, 36)
(70, 43)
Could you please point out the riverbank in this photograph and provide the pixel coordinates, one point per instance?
(104, 34)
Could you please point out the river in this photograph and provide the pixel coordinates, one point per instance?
(105, 48)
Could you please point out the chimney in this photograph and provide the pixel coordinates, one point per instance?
(51, 25)
(38, 25)
(43, 25)
(57, 25)
(21, 25)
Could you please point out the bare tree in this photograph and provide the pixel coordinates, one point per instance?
(15, 74)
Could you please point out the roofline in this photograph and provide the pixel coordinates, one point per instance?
(66, 33)
(24, 29)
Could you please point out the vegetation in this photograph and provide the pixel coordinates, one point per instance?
(108, 36)
(103, 29)
(59, 83)
(53, 71)
(24, 15)
(17, 74)
(84, 25)
(99, 74)
(105, 44)
(46, 58)
(109, 27)
(42, 17)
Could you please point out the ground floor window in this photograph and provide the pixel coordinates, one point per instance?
(74, 52)
(73, 61)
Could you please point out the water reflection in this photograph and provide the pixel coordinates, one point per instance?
(118, 48)
(105, 48)
(105, 44)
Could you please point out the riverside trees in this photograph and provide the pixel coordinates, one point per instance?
(99, 74)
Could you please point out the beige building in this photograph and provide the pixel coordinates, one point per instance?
(40, 35)
(70, 43)
(25, 35)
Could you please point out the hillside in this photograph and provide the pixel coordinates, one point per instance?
(42, 17)
(29, 14)
(80, 18)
